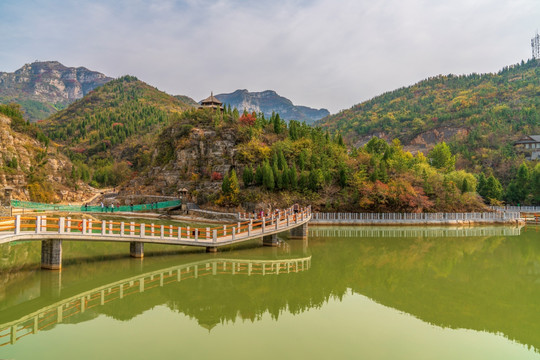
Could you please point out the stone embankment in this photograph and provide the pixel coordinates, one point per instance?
(459, 219)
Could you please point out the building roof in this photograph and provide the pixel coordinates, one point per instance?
(211, 100)
(528, 139)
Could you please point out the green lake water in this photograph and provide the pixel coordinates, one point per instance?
(345, 293)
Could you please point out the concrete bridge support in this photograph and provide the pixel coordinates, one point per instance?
(136, 249)
(299, 232)
(51, 254)
(270, 240)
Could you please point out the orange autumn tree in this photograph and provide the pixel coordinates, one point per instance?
(247, 119)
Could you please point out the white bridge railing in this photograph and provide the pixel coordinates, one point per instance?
(35, 227)
(411, 217)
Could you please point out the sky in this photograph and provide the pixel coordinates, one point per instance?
(321, 53)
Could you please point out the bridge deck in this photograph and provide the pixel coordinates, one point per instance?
(38, 228)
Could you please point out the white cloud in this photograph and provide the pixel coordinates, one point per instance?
(324, 53)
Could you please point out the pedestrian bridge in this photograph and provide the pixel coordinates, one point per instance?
(52, 231)
(47, 317)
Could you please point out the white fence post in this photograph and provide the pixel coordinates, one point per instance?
(61, 225)
(38, 224)
(17, 224)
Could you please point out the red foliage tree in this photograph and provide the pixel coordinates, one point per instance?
(217, 176)
(247, 119)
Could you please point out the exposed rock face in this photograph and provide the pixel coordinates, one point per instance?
(424, 142)
(44, 87)
(202, 152)
(268, 101)
(33, 158)
(427, 140)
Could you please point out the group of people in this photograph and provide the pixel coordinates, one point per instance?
(106, 207)
(261, 214)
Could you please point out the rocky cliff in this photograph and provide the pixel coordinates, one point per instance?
(42, 88)
(186, 155)
(269, 101)
(34, 170)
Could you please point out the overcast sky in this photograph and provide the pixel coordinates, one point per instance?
(320, 53)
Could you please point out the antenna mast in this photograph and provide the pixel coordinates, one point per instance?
(535, 44)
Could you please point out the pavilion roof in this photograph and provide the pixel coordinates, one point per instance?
(211, 100)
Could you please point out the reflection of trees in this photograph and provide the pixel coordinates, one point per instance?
(481, 283)
(477, 283)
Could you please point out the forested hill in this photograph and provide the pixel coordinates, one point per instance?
(110, 129)
(480, 115)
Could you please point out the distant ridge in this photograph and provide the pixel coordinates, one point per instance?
(44, 87)
(269, 101)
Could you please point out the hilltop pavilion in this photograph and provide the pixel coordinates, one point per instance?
(211, 102)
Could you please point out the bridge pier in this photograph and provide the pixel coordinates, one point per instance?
(270, 240)
(136, 249)
(211, 249)
(299, 232)
(51, 254)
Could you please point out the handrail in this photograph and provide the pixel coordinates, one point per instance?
(67, 227)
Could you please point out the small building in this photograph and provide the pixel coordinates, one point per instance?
(530, 145)
(211, 103)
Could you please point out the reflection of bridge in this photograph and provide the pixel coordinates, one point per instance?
(51, 231)
(412, 232)
(56, 313)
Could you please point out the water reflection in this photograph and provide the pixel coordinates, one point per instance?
(75, 306)
(484, 278)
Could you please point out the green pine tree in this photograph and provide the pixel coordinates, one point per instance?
(247, 175)
(268, 177)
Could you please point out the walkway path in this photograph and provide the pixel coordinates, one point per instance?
(52, 231)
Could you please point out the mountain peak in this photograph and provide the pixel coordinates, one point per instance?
(269, 101)
(43, 87)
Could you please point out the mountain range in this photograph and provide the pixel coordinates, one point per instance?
(269, 101)
(44, 87)
(126, 129)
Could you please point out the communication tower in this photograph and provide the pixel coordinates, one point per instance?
(535, 44)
